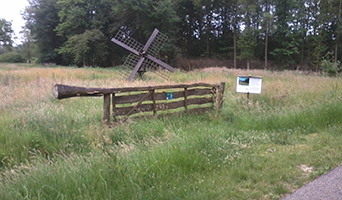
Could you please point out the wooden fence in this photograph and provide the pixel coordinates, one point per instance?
(137, 101)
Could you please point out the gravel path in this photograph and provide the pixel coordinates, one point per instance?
(325, 187)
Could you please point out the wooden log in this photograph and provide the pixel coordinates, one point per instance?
(219, 96)
(106, 109)
(113, 106)
(65, 91)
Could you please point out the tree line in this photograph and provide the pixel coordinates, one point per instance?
(274, 32)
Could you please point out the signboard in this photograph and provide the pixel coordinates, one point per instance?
(169, 95)
(248, 84)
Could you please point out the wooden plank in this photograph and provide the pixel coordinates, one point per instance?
(199, 110)
(161, 96)
(60, 91)
(186, 98)
(130, 89)
(113, 104)
(154, 102)
(106, 109)
(219, 96)
(136, 106)
(190, 111)
(160, 106)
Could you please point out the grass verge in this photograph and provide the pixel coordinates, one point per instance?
(261, 148)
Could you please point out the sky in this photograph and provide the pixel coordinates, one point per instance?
(10, 10)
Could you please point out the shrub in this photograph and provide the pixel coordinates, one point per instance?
(329, 67)
(12, 57)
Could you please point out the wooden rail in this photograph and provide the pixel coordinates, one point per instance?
(150, 100)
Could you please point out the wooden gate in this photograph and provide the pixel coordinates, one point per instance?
(152, 100)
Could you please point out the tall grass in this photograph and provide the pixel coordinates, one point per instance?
(252, 149)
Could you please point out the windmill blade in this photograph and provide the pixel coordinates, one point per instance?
(161, 63)
(125, 46)
(150, 40)
(136, 68)
(127, 42)
(157, 44)
(131, 60)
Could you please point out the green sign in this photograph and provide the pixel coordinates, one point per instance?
(169, 95)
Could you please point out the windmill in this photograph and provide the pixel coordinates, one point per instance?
(142, 57)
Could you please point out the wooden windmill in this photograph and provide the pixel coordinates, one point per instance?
(142, 57)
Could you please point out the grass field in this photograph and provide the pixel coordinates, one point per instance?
(259, 148)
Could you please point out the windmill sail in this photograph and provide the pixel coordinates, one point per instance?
(142, 57)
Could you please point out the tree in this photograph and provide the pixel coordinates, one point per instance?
(41, 19)
(294, 32)
(231, 18)
(140, 17)
(28, 47)
(246, 45)
(5, 36)
(266, 20)
(80, 20)
(286, 43)
(88, 48)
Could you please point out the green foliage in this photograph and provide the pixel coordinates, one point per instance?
(252, 149)
(247, 44)
(12, 57)
(5, 35)
(87, 49)
(42, 19)
(329, 67)
(196, 29)
(286, 53)
(28, 48)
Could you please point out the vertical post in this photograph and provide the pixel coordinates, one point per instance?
(113, 108)
(186, 99)
(154, 102)
(219, 95)
(106, 109)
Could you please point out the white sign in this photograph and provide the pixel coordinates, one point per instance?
(248, 84)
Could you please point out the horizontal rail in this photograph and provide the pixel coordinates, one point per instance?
(119, 111)
(60, 91)
(161, 96)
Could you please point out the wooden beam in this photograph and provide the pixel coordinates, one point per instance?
(133, 98)
(219, 96)
(186, 99)
(138, 104)
(114, 104)
(65, 91)
(106, 109)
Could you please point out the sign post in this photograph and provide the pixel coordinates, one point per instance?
(248, 84)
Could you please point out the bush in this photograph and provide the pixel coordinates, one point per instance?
(329, 67)
(12, 57)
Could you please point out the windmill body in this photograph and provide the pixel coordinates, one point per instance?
(142, 57)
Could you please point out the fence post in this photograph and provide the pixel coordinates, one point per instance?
(219, 95)
(186, 99)
(154, 102)
(113, 108)
(106, 109)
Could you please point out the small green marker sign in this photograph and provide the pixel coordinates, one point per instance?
(169, 95)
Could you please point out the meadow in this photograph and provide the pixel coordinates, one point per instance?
(263, 147)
